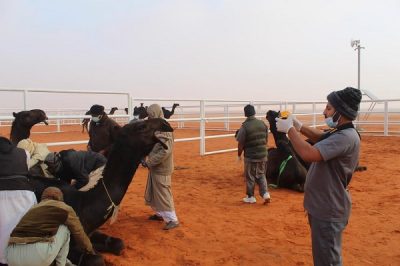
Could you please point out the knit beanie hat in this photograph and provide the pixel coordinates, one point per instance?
(249, 110)
(96, 110)
(346, 101)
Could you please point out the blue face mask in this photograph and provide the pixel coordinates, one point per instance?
(329, 121)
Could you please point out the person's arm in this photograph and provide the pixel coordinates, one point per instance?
(304, 149)
(313, 134)
(241, 138)
(77, 232)
(158, 153)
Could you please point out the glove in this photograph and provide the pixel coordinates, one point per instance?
(283, 125)
(296, 123)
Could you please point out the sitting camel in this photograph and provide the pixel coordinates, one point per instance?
(23, 122)
(167, 113)
(85, 121)
(96, 206)
(284, 169)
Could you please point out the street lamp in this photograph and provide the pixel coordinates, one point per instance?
(357, 46)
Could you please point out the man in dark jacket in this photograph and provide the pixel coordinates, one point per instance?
(71, 164)
(252, 138)
(16, 194)
(102, 130)
(43, 234)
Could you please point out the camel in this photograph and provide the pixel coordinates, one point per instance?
(284, 168)
(140, 112)
(85, 121)
(167, 113)
(23, 123)
(97, 205)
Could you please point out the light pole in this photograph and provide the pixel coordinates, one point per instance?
(357, 46)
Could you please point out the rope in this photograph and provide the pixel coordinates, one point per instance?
(282, 168)
(112, 205)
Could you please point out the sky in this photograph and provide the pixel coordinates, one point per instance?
(235, 50)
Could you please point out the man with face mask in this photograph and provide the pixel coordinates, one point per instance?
(102, 130)
(334, 157)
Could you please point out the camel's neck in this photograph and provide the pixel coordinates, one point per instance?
(119, 171)
(19, 132)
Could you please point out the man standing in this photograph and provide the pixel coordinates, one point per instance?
(102, 130)
(160, 162)
(333, 159)
(252, 138)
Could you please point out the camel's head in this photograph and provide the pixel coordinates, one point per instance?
(140, 112)
(30, 118)
(141, 135)
(271, 115)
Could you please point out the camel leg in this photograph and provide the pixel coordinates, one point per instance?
(104, 243)
(82, 259)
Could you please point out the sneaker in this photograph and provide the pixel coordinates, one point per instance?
(171, 225)
(251, 199)
(267, 198)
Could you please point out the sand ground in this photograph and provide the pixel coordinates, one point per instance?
(218, 229)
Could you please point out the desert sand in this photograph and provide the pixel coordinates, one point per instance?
(218, 229)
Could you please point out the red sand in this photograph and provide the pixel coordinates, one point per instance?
(218, 229)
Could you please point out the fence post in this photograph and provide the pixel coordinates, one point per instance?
(314, 114)
(202, 129)
(58, 122)
(386, 120)
(25, 99)
(226, 111)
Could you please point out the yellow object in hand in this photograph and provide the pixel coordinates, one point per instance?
(285, 114)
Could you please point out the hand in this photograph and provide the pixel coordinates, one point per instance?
(283, 125)
(239, 159)
(296, 123)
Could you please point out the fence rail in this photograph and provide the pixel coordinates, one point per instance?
(207, 115)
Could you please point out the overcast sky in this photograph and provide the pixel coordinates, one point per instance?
(210, 49)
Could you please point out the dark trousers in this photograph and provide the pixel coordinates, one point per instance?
(326, 241)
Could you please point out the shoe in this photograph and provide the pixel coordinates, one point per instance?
(155, 217)
(171, 225)
(267, 198)
(251, 199)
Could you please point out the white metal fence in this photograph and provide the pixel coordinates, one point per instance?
(219, 115)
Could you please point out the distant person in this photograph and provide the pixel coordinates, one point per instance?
(252, 138)
(160, 162)
(334, 158)
(102, 130)
(16, 194)
(69, 165)
(42, 236)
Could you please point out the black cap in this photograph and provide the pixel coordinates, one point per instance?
(346, 101)
(96, 110)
